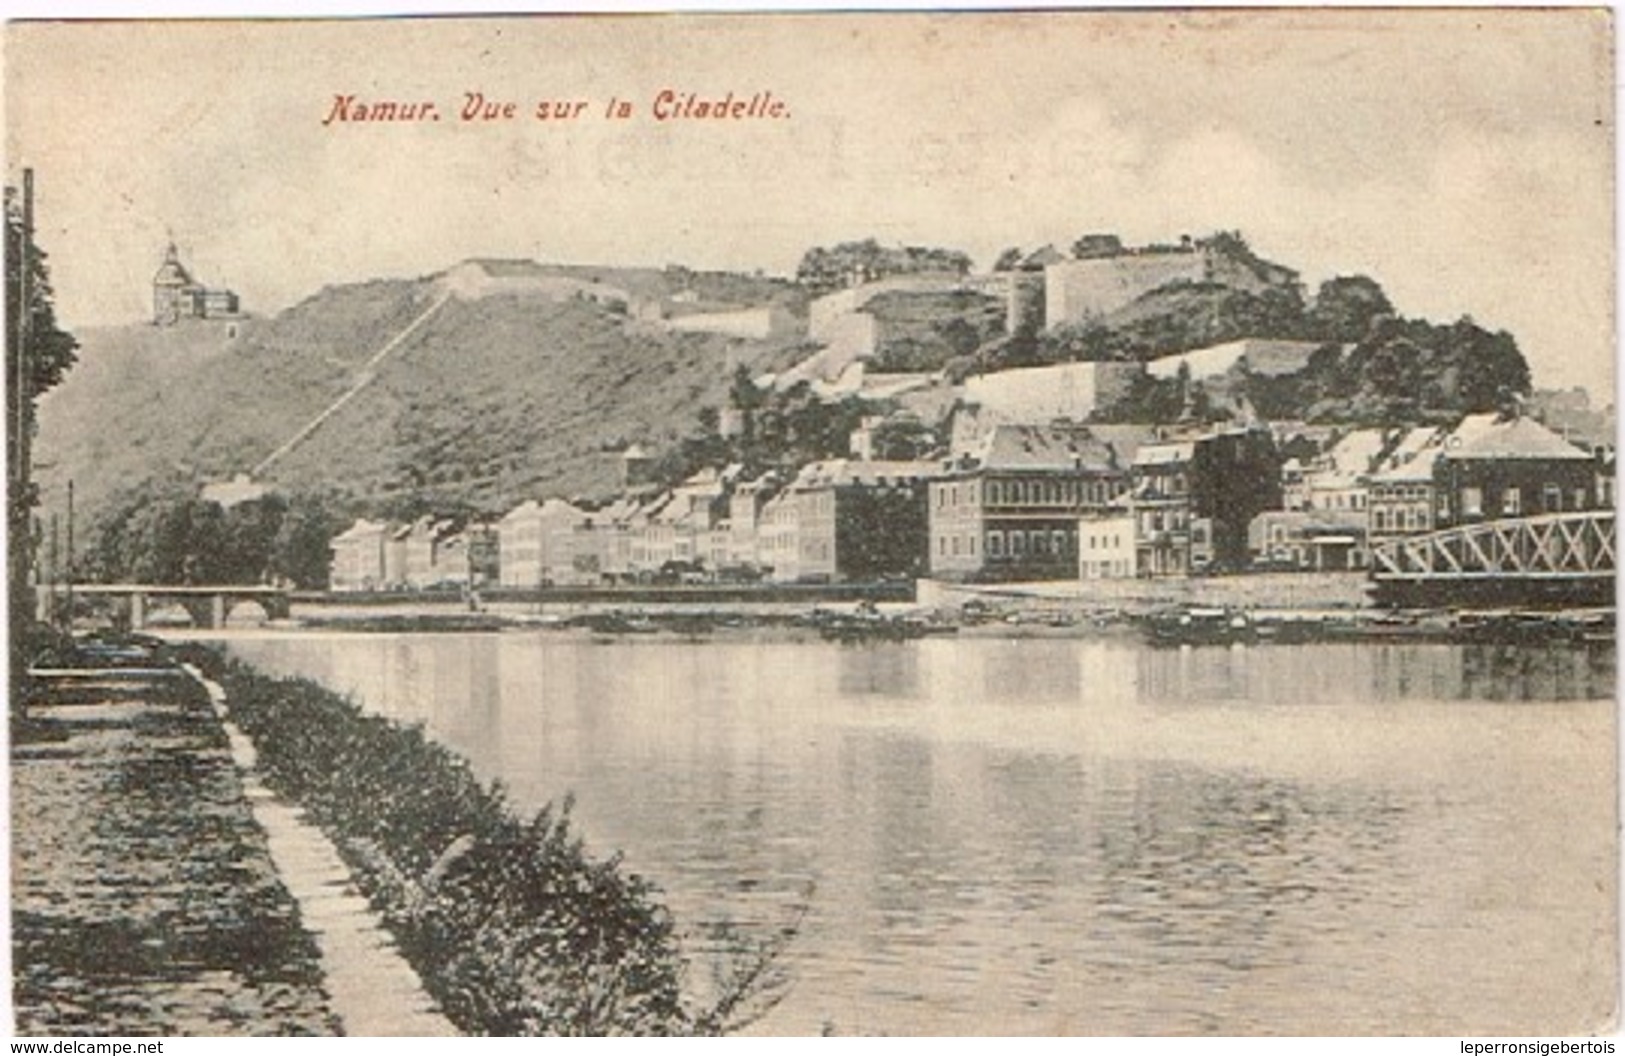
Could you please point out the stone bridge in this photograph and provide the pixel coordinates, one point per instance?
(208, 606)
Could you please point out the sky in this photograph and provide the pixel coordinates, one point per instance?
(1463, 158)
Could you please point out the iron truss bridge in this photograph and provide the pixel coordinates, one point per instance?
(1551, 559)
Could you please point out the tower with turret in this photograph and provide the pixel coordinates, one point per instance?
(171, 290)
(176, 295)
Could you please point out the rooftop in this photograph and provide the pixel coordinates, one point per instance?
(1516, 438)
(1056, 448)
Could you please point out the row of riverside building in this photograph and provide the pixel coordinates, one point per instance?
(1012, 502)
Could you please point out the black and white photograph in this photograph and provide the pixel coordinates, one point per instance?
(1065, 522)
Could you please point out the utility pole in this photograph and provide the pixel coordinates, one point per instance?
(51, 573)
(20, 384)
(68, 600)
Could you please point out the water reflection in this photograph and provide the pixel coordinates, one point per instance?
(865, 670)
(1075, 836)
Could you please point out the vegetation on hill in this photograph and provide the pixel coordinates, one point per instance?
(162, 532)
(780, 430)
(1403, 370)
(925, 331)
(1374, 367)
(825, 269)
(487, 403)
(520, 394)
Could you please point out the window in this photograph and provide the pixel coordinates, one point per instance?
(1580, 498)
(1472, 502)
(995, 544)
(942, 546)
(1018, 544)
(1552, 498)
(956, 546)
(971, 543)
(994, 493)
(1512, 502)
(1058, 541)
(1379, 518)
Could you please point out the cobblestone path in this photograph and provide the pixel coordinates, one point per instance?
(143, 898)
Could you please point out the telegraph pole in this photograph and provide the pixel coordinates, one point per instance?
(68, 564)
(20, 384)
(20, 549)
(52, 575)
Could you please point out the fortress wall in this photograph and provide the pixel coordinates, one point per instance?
(1078, 289)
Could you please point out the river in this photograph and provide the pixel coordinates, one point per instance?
(1083, 836)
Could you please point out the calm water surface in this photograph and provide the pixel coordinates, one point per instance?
(1077, 836)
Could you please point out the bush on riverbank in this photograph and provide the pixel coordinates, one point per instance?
(513, 929)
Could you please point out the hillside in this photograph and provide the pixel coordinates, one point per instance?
(501, 380)
(490, 400)
(923, 331)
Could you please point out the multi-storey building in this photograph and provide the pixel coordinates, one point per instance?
(358, 557)
(859, 520)
(1106, 545)
(426, 558)
(1010, 510)
(777, 547)
(1193, 499)
(536, 541)
(1488, 467)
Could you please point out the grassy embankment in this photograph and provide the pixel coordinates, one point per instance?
(512, 928)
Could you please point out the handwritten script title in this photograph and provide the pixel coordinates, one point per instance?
(667, 105)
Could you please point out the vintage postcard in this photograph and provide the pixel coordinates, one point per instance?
(1082, 522)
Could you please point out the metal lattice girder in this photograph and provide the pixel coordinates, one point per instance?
(1565, 544)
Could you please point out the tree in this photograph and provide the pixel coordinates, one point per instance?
(852, 263)
(745, 397)
(902, 438)
(1491, 368)
(38, 354)
(300, 549)
(1096, 247)
(164, 533)
(1345, 308)
(1008, 260)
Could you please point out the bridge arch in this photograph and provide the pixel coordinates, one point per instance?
(246, 612)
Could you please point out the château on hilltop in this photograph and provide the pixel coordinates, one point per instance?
(176, 295)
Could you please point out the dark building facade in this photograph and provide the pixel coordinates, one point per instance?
(1194, 498)
(1489, 467)
(860, 521)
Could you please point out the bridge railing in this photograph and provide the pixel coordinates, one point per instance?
(1554, 545)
